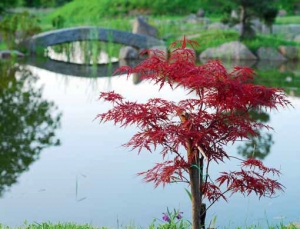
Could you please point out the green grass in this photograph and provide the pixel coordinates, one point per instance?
(288, 20)
(214, 38)
(3, 46)
(87, 226)
(267, 41)
(53, 226)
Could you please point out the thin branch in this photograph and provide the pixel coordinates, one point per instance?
(214, 202)
(236, 158)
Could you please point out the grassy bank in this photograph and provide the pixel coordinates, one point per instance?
(170, 27)
(288, 20)
(53, 226)
(87, 226)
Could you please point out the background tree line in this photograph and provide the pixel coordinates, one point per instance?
(215, 7)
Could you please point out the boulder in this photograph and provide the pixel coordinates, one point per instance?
(141, 26)
(290, 52)
(266, 65)
(234, 14)
(256, 25)
(288, 32)
(217, 25)
(269, 53)
(200, 13)
(8, 54)
(230, 64)
(128, 52)
(203, 20)
(297, 38)
(281, 13)
(234, 50)
(194, 19)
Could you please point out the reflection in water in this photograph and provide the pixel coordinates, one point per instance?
(27, 122)
(257, 147)
(80, 70)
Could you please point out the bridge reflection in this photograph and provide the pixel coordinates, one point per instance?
(80, 70)
(286, 76)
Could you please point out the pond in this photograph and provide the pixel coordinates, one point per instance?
(59, 164)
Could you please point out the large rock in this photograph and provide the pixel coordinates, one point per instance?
(266, 65)
(288, 32)
(194, 19)
(230, 64)
(141, 26)
(234, 14)
(297, 38)
(217, 25)
(8, 54)
(290, 52)
(128, 52)
(234, 50)
(200, 13)
(269, 53)
(281, 13)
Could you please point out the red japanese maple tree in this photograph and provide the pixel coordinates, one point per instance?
(196, 130)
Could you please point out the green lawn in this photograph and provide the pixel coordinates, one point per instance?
(53, 226)
(87, 226)
(288, 20)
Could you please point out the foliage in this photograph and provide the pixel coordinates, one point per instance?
(171, 220)
(108, 8)
(5, 4)
(44, 3)
(17, 28)
(200, 127)
(58, 22)
(289, 5)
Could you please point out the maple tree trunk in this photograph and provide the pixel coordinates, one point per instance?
(198, 208)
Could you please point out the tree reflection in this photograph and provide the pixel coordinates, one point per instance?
(27, 122)
(257, 147)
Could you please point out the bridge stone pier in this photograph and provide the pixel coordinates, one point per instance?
(85, 33)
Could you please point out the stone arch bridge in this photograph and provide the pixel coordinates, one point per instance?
(85, 33)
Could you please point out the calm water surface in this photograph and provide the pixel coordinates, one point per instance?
(89, 178)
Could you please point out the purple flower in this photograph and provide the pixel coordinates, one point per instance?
(179, 216)
(166, 217)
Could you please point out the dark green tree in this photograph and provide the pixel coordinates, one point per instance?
(44, 3)
(27, 123)
(17, 28)
(6, 4)
(265, 10)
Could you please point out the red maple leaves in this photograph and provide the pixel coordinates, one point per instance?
(218, 115)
